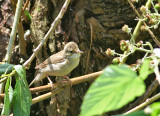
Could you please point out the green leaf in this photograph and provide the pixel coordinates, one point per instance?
(137, 113)
(8, 98)
(28, 15)
(21, 73)
(22, 96)
(155, 108)
(10, 95)
(6, 68)
(117, 86)
(22, 100)
(145, 69)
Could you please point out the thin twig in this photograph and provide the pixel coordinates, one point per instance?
(22, 44)
(139, 24)
(147, 102)
(53, 26)
(46, 96)
(14, 30)
(88, 56)
(153, 36)
(3, 22)
(3, 79)
(135, 10)
(135, 33)
(12, 36)
(25, 5)
(145, 96)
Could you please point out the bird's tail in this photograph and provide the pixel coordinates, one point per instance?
(38, 77)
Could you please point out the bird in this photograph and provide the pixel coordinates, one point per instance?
(59, 64)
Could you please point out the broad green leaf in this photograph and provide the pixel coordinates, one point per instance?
(21, 73)
(6, 68)
(145, 71)
(117, 86)
(21, 100)
(155, 108)
(7, 99)
(22, 96)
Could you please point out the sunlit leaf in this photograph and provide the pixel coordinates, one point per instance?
(117, 86)
(22, 96)
(145, 69)
(155, 108)
(7, 98)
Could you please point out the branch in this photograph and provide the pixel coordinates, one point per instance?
(53, 26)
(47, 95)
(139, 24)
(74, 81)
(14, 30)
(60, 85)
(147, 102)
(22, 43)
(88, 55)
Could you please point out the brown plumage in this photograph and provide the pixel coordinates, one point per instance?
(59, 64)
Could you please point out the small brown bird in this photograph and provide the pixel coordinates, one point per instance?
(59, 64)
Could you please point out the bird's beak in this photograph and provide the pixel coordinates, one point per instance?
(79, 51)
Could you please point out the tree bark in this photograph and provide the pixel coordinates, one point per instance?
(106, 18)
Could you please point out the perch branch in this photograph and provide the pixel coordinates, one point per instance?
(74, 81)
(14, 30)
(60, 85)
(53, 26)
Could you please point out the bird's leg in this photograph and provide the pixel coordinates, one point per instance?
(68, 79)
(52, 85)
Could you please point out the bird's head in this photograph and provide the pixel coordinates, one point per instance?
(72, 48)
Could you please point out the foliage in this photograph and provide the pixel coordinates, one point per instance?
(119, 85)
(116, 87)
(6, 68)
(155, 109)
(28, 15)
(20, 98)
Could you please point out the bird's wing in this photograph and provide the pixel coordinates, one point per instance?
(55, 58)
